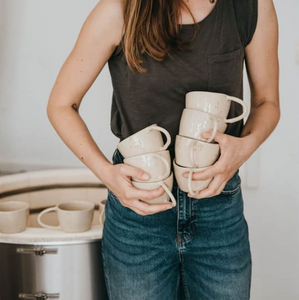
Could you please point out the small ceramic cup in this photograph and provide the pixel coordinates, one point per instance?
(167, 185)
(195, 122)
(194, 153)
(72, 216)
(187, 184)
(13, 216)
(156, 164)
(215, 103)
(146, 140)
(102, 211)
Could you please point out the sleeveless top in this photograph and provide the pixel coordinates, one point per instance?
(214, 63)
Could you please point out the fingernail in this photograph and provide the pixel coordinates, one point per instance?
(145, 176)
(169, 207)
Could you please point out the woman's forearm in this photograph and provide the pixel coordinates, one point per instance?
(262, 121)
(73, 131)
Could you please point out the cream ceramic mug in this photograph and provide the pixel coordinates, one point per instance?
(195, 122)
(156, 164)
(214, 103)
(167, 185)
(146, 140)
(13, 216)
(187, 184)
(72, 216)
(194, 153)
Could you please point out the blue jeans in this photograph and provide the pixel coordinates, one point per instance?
(198, 250)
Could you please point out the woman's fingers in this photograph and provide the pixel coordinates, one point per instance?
(213, 189)
(145, 194)
(143, 208)
(206, 174)
(137, 173)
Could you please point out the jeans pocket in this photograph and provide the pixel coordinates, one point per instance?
(233, 186)
(231, 192)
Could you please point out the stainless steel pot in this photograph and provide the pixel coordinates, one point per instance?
(65, 271)
(44, 264)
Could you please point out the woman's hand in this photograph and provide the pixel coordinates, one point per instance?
(118, 180)
(234, 152)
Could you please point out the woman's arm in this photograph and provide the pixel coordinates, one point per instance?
(89, 55)
(262, 68)
(99, 35)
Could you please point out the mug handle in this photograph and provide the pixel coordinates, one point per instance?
(215, 125)
(169, 193)
(102, 212)
(194, 163)
(192, 193)
(167, 167)
(156, 127)
(241, 102)
(45, 212)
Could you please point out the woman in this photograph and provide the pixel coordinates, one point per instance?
(158, 51)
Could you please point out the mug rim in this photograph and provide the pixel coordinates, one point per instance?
(219, 119)
(126, 139)
(155, 182)
(206, 92)
(91, 206)
(24, 208)
(200, 141)
(188, 168)
(142, 154)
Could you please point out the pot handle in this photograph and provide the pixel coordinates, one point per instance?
(38, 296)
(45, 212)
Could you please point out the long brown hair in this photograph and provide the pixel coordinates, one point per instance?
(151, 27)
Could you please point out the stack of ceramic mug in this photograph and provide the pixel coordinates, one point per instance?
(204, 111)
(146, 150)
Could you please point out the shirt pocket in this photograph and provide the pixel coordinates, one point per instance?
(225, 72)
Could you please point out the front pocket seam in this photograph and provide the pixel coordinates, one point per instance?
(231, 192)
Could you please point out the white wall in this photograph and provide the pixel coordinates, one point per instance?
(272, 209)
(36, 37)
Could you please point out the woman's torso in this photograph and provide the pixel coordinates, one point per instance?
(214, 63)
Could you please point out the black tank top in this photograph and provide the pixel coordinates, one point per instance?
(214, 63)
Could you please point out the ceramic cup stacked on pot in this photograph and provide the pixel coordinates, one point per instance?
(204, 111)
(146, 150)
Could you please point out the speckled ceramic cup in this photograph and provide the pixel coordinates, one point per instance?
(13, 216)
(167, 185)
(195, 122)
(194, 153)
(187, 184)
(146, 140)
(214, 103)
(73, 216)
(156, 164)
